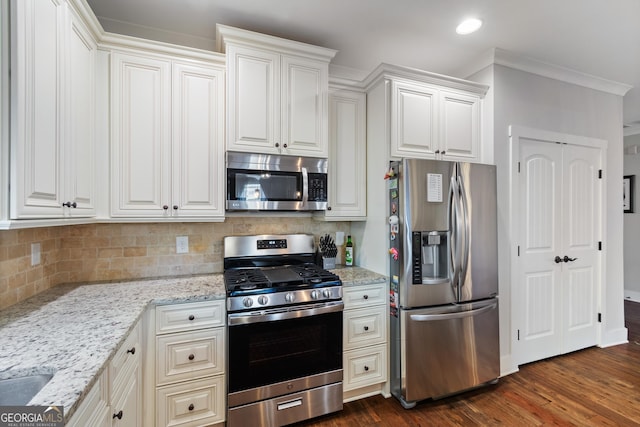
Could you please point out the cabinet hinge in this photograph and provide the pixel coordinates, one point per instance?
(600, 174)
(599, 317)
(600, 246)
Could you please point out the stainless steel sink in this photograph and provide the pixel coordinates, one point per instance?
(19, 391)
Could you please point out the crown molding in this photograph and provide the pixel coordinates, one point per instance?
(531, 65)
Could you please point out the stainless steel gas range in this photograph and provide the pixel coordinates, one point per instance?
(284, 331)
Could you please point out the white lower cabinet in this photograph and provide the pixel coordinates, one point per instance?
(190, 386)
(116, 397)
(365, 346)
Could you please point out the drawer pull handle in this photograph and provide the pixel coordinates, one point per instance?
(366, 368)
(132, 350)
(366, 328)
(365, 296)
(118, 415)
(290, 404)
(192, 317)
(191, 357)
(191, 407)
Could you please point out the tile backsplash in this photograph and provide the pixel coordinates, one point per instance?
(107, 252)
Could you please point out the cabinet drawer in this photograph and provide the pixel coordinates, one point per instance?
(192, 403)
(189, 354)
(364, 296)
(365, 326)
(364, 367)
(189, 316)
(126, 359)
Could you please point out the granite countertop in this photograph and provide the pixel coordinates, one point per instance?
(73, 331)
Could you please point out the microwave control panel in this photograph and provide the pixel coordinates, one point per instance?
(317, 187)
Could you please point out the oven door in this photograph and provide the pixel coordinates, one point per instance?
(266, 190)
(282, 351)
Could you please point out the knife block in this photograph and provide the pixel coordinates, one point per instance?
(328, 263)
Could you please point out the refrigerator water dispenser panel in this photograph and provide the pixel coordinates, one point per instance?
(431, 263)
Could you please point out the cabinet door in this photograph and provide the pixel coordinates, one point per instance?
(198, 145)
(37, 108)
(347, 156)
(127, 407)
(305, 85)
(253, 100)
(460, 126)
(80, 153)
(414, 121)
(141, 139)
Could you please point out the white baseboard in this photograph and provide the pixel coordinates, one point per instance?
(632, 295)
(615, 337)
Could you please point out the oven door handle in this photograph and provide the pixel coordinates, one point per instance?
(235, 319)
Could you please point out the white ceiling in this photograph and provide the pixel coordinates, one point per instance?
(596, 37)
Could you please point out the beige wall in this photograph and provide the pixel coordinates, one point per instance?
(105, 252)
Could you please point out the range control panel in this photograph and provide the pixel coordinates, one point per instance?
(272, 244)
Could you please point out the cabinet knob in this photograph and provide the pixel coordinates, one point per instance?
(118, 415)
(437, 151)
(175, 207)
(132, 350)
(328, 208)
(165, 207)
(191, 357)
(277, 144)
(444, 152)
(191, 407)
(366, 328)
(192, 317)
(365, 296)
(366, 368)
(285, 145)
(70, 204)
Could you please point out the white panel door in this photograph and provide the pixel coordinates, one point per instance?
(141, 138)
(560, 211)
(304, 107)
(253, 100)
(80, 151)
(581, 221)
(414, 122)
(198, 145)
(460, 126)
(347, 156)
(38, 108)
(539, 287)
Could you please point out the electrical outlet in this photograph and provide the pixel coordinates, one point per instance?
(182, 244)
(35, 254)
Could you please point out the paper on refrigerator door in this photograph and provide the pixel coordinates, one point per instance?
(434, 187)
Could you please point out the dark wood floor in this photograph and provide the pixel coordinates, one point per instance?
(592, 387)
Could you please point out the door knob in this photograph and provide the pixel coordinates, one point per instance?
(557, 259)
(567, 259)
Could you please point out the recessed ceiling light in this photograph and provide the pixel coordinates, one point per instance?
(468, 26)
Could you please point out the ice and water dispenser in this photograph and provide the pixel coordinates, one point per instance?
(430, 251)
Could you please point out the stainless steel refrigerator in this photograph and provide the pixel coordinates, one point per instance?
(443, 278)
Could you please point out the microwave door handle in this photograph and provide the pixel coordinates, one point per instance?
(305, 186)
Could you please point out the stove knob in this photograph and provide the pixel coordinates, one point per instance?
(262, 300)
(247, 302)
(289, 297)
(314, 295)
(326, 293)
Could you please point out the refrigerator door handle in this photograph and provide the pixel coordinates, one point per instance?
(455, 235)
(456, 315)
(465, 229)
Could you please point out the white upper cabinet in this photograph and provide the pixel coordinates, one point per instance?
(167, 138)
(427, 115)
(52, 114)
(277, 94)
(429, 122)
(347, 156)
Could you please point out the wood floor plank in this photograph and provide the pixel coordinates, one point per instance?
(591, 387)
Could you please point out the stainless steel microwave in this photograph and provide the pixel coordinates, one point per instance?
(269, 182)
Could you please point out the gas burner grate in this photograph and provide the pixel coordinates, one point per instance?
(245, 279)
